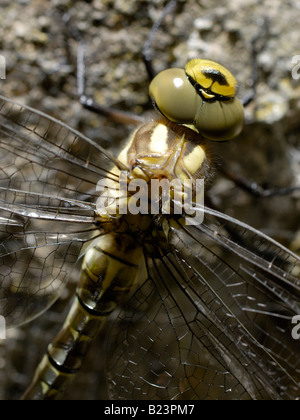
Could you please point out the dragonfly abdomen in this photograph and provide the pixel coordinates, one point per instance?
(108, 276)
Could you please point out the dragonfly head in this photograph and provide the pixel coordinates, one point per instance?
(202, 96)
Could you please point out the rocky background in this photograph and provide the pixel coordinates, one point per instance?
(40, 53)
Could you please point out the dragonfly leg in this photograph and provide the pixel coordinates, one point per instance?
(255, 189)
(255, 50)
(245, 184)
(90, 104)
(147, 49)
(86, 100)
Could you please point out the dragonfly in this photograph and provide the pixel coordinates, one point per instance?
(200, 308)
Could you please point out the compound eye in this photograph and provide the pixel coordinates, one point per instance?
(220, 120)
(222, 115)
(175, 97)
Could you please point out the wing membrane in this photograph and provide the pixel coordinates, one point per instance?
(213, 318)
(48, 178)
(46, 158)
(218, 319)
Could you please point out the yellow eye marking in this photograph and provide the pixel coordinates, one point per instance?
(211, 76)
(159, 139)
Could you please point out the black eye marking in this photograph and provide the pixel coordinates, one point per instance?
(215, 76)
(215, 97)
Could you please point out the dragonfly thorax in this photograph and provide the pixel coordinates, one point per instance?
(167, 165)
(163, 149)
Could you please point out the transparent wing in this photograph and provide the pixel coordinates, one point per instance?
(48, 177)
(213, 320)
